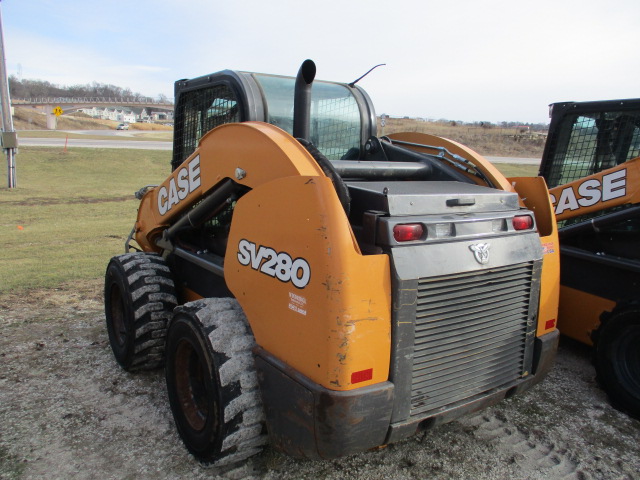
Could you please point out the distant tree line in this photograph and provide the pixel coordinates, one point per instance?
(39, 88)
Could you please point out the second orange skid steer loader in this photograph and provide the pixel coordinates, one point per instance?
(308, 284)
(592, 165)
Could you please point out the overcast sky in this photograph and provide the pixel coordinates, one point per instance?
(469, 60)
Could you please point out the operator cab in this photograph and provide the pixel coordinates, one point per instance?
(342, 126)
(342, 117)
(586, 138)
(589, 137)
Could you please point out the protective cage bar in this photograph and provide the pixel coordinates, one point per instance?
(199, 111)
(473, 333)
(591, 142)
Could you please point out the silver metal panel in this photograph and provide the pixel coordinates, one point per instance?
(419, 261)
(424, 197)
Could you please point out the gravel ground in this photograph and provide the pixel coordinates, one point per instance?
(68, 411)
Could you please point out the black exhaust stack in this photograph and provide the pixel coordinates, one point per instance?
(302, 99)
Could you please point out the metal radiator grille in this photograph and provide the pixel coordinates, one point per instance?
(470, 335)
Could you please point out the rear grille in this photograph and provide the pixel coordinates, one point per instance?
(470, 335)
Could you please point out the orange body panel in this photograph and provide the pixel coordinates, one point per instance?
(580, 313)
(247, 146)
(337, 324)
(610, 188)
(534, 194)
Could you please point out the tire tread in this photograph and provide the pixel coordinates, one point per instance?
(151, 292)
(232, 342)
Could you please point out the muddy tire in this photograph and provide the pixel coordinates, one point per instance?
(139, 298)
(617, 360)
(212, 382)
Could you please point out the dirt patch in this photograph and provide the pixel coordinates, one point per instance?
(39, 202)
(68, 411)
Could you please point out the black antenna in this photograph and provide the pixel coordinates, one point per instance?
(352, 84)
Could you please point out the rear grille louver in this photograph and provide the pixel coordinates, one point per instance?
(471, 335)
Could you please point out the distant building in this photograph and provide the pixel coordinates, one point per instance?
(127, 115)
(117, 114)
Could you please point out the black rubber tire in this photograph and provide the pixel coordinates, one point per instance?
(617, 360)
(139, 298)
(212, 382)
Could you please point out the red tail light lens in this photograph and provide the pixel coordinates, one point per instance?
(408, 232)
(523, 222)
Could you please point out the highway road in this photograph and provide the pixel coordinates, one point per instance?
(517, 160)
(90, 143)
(122, 142)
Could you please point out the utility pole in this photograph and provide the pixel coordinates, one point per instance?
(9, 136)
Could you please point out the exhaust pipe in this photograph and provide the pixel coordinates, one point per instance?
(302, 99)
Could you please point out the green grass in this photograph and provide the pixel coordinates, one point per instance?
(517, 170)
(71, 212)
(153, 135)
(76, 209)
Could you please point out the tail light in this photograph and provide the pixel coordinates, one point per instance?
(408, 232)
(523, 222)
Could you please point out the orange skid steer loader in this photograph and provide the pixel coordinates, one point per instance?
(308, 284)
(592, 165)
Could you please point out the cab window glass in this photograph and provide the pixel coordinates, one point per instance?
(335, 116)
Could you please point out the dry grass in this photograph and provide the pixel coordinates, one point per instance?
(147, 127)
(501, 142)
